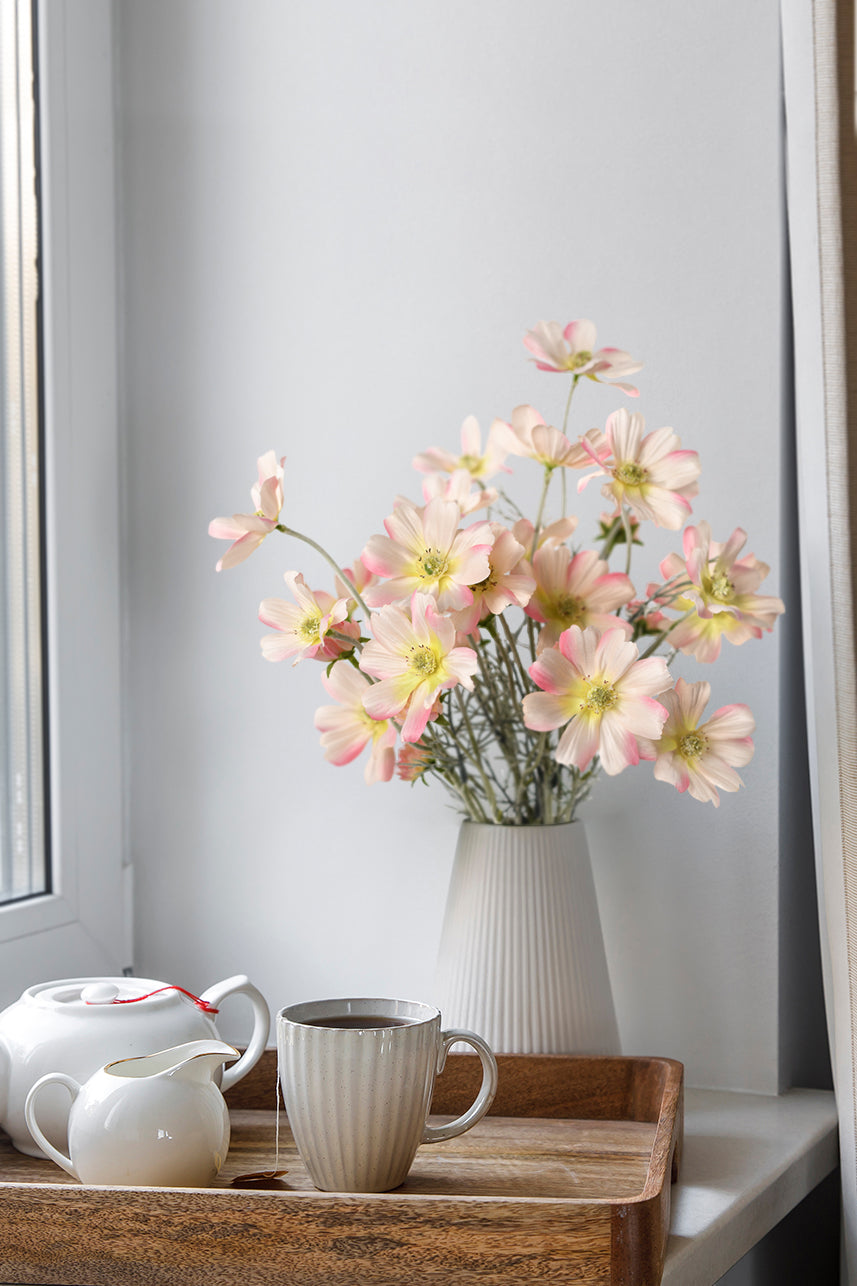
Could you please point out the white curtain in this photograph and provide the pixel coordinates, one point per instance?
(818, 61)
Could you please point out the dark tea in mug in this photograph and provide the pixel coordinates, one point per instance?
(357, 1022)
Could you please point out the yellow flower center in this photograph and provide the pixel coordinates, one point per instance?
(309, 626)
(720, 587)
(472, 463)
(692, 745)
(576, 360)
(424, 661)
(630, 474)
(600, 698)
(482, 586)
(433, 564)
(569, 609)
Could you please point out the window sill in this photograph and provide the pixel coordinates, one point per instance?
(748, 1160)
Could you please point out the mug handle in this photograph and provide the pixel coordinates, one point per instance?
(242, 985)
(487, 1090)
(58, 1078)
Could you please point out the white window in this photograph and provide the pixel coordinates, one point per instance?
(24, 867)
(81, 925)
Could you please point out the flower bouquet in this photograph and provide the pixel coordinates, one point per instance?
(498, 653)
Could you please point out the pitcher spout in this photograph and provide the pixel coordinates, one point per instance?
(198, 1060)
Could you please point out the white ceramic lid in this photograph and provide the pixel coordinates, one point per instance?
(85, 995)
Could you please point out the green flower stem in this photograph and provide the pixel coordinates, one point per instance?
(568, 404)
(531, 631)
(460, 757)
(676, 587)
(457, 755)
(513, 656)
(529, 768)
(580, 785)
(515, 508)
(454, 773)
(626, 526)
(474, 808)
(503, 723)
(489, 791)
(505, 658)
(611, 539)
(547, 801)
(288, 531)
(541, 509)
(497, 714)
(664, 634)
(355, 644)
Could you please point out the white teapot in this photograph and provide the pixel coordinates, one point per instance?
(77, 1025)
(158, 1120)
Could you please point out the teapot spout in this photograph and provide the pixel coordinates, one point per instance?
(198, 1060)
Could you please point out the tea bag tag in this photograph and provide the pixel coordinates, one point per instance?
(262, 1178)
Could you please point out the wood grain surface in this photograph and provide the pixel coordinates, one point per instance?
(573, 1187)
(545, 1085)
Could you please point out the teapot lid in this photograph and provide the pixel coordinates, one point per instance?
(79, 995)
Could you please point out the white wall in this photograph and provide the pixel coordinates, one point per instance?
(338, 220)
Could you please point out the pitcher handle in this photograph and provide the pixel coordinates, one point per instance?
(241, 985)
(487, 1090)
(58, 1078)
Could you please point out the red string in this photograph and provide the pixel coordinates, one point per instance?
(131, 1000)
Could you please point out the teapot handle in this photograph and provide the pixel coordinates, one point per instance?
(241, 985)
(47, 1147)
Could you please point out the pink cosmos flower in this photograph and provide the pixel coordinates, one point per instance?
(701, 758)
(599, 687)
(361, 578)
(424, 552)
(573, 349)
(413, 761)
(478, 464)
(554, 534)
(415, 659)
(579, 590)
(719, 590)
(457, 486)
(509, 581)
(649, 474)
(346, 728)
(304, 626)
(646, 622)
(528, 435)
(247, 531)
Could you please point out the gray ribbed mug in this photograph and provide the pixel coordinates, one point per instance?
(357, 1096)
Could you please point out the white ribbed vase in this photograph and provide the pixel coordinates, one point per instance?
(521, 957)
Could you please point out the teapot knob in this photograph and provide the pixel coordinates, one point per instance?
(99, 993)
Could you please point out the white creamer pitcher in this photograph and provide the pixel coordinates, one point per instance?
(159, 1120)
(77, 1025)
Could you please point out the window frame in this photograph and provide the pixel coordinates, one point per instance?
(84, 924)
(25, 842)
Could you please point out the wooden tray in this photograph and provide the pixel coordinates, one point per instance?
(567, 1180)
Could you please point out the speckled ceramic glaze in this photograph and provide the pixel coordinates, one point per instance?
(357, 1098)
